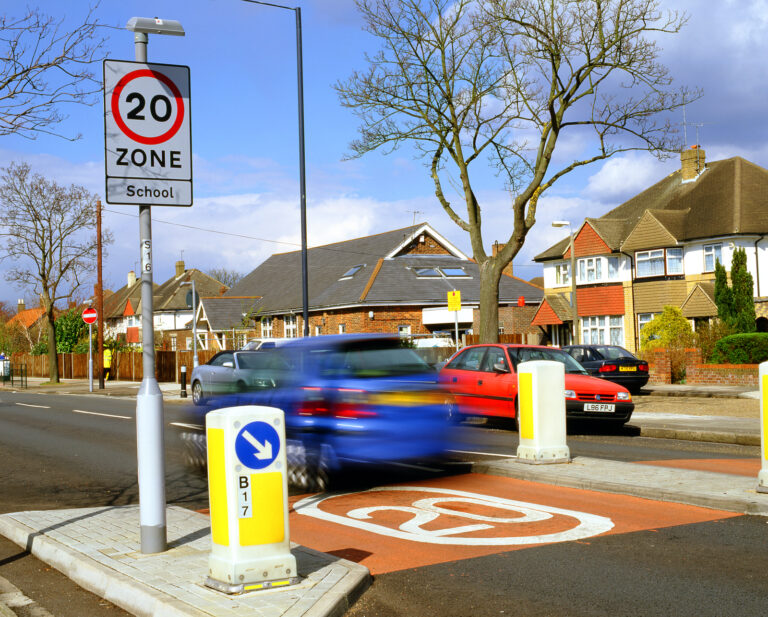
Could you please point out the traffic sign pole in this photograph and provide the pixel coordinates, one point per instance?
(149, 401)
(90, 357)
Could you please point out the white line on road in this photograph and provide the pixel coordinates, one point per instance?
(106, 415)
(483, 453)
(183, 425)
(30, 405)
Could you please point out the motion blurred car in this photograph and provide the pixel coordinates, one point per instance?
(353, 399)
(483, 380)
(611, 362)
(235, 371)
(256, 344)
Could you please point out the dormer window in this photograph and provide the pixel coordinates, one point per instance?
(352, 271)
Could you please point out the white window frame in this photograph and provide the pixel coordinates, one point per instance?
(317, 330)
(655, 255)
(643, 319)
(612, 268)
(675, 251)
(290, 326)
(404, 330)
(266, 327)
(715, 252)
(602, 330)
(590, 266)
(342, 328)
(563, 274)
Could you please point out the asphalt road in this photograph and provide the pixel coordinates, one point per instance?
(64, 451)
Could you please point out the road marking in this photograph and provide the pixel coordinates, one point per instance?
(105, 415)
(425, 511)
(30, 405)
(184, 425)
(483, 453)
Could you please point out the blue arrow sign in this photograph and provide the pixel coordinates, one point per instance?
(257, 445)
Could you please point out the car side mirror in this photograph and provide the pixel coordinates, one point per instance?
(500, 367)
(228, 364)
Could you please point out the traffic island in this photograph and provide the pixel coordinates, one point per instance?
(99, 549)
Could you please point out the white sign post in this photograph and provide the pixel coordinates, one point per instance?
(89, 316)
(147, 135)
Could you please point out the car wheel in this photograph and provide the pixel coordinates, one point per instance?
(197, 393)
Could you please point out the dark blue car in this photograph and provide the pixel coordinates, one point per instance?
(354, 399)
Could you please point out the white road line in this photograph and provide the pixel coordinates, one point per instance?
(106, 415)
(183, 425)
(30, 405)
(483, 453)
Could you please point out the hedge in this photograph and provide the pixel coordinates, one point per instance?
(749, 348)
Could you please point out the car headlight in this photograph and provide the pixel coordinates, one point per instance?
(623, 396)
(570, 394)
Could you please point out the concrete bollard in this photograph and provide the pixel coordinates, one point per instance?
(183, 381)
(248, 493)
(541, 404)
(762, 476)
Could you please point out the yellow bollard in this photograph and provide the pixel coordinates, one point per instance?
(248, 493)
(762, 476)
(541, 402)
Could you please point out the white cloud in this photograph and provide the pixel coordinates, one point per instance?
(621, 177)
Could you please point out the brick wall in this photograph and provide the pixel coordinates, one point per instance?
(659, 367)
(698, 373)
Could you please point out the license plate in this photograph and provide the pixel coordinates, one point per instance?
(627, 368)
(605, 407)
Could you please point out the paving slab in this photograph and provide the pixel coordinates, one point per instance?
(721, 491)
(99, 549)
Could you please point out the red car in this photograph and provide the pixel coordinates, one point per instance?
(483, 380)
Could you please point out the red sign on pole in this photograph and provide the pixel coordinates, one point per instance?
(90, 315)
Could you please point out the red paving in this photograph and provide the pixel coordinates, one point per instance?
(736, 466)
(436, 519)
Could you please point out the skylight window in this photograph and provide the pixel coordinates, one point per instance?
(453, 271)
(426, 272)
(352, 271)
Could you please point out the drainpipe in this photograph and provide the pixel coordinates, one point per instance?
(757, 264)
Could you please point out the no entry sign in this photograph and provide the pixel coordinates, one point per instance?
(148, 149)
(90, 315)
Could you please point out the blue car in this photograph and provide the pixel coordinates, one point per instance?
(355, 399)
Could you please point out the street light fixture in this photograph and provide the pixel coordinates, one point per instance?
(574, 304)
(302, 175)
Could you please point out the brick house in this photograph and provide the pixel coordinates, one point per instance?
(659, 248)
(392, 282)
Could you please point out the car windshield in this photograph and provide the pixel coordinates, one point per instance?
(378, 358)
(526, 354)
(613, 353)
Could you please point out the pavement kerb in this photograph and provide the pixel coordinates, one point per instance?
(740, 439)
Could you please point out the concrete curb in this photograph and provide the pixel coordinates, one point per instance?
(697, 488)
(740, 439)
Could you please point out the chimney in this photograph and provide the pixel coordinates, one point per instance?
(20, 306)
(692, 163)
(179, 268)
(131, 278)
(495, 251)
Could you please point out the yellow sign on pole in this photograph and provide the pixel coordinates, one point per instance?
(454, 300)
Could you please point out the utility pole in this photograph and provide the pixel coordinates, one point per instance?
(99, 300)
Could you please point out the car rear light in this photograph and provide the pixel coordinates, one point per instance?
(314, 403)
(607, 368)
(342, 403)
(643, 367)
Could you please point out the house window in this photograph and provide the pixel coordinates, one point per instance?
(266, 327)
(501, 330)
(602, 330)
(643, 319)
(352, 271)
(562, 274)
(342, 328)
(649, 263)
(404, 330)
(453, 271)
(317, 330)
(590, 270)
(289, 326)
(613, 268)
(712, 254)
(426, 272)
(675, 261)
(173, 342)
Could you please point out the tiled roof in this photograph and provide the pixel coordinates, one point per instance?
(27, 317)
(225, 313)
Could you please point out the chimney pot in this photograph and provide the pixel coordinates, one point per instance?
(179, 268)
(131, 278)
(20, 305)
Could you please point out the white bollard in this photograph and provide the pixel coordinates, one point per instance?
(248, 493)
(541, 404)
(762, 476)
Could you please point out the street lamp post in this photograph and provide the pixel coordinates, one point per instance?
(149, 400)
(574, 304)
(302, 174)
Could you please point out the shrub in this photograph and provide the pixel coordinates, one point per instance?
(670, 329)
(741, 349)
(708, 334)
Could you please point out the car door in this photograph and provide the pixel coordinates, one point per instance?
(496, 384)
(461, 375)
(221, 373)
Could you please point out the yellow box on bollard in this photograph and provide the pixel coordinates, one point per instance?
(248, 492)
(541, 404)
(762, 476)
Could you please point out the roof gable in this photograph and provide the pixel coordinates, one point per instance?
(700, 302)
(587, 242)
(650, 232)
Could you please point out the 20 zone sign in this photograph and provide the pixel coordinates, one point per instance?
(148, 150)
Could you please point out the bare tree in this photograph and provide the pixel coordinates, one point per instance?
(45, 64)
(499, 83)
(49, 234)
(225, 276)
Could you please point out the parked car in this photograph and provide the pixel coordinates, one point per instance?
(483, 380)
(235, 371)
(256, 344)
(351, 399)
(611, 362)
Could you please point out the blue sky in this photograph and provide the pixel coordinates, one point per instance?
(244, 134)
